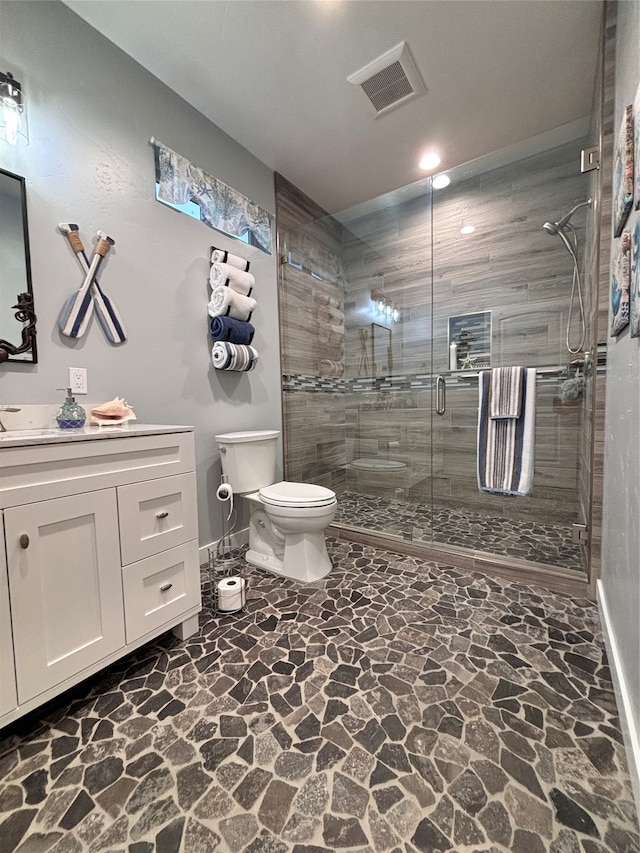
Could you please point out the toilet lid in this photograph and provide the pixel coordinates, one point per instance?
(296, 495)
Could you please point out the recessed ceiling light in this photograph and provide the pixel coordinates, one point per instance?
(430, 161)
(441, 181)
(467, 229)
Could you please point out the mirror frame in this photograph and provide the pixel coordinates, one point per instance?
(24, 301)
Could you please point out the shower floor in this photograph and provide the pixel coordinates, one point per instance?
(538, 543)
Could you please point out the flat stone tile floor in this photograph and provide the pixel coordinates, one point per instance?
(396, 706)
(547, 544)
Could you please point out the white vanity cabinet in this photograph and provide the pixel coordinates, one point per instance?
(8, 695)
(101, 549)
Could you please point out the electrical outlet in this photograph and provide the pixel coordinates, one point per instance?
(78, 380)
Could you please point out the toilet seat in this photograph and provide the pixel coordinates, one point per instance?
(293, 495)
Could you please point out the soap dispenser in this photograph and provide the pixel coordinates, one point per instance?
(71, 415)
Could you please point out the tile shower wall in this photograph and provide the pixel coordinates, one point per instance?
(380, 406)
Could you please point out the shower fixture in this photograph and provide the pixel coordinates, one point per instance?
(554, 227)
(567, 234)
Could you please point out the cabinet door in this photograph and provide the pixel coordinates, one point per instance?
(65, 586)
(8, 696)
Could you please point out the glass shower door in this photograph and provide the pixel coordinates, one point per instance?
(502, 290)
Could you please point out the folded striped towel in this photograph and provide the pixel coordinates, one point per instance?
(506, 392)
(506, 445)
(226, 356)
(228, 329)
(226, 302)
(241, 282)
(220, 256)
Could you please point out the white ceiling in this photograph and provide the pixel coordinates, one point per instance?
(272, 74)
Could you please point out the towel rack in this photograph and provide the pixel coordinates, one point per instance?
(540, 371)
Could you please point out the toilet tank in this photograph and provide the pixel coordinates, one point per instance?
(249, 458)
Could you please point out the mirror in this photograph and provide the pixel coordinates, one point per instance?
(17, 317)
(381, 352)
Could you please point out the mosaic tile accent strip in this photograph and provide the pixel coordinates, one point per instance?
(395, 706)
(312, 384)
(548, 544)
(398, 382)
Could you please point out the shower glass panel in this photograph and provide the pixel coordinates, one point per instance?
(377, 404)
(502, 295)
(356, 331)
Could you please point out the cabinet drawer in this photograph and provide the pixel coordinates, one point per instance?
(160, 589)
(156, 515)
(48, 471)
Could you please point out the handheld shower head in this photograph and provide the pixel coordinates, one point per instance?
(556, 227)
(567, 233)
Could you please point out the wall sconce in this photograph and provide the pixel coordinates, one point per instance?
(385, 308)
(13, 111)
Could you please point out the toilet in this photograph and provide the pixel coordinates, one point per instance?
(288, 520)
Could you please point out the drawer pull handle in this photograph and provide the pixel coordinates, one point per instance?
(162, 514)
(166, 587)
(24, 541)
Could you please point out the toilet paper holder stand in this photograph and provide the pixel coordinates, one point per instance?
(223, 567)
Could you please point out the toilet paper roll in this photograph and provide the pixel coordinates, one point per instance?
(230, 593)
(224, 493)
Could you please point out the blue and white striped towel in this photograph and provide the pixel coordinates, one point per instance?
(227, 356)
(506, 445)
(506, 392)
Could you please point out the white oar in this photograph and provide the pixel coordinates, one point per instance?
(74, 317)
(106, 310)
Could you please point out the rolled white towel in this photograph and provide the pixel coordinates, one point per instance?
(228, 356)
(241, 282)
(225, 302)
(221, 256)
(330, 333)
(329, 314)
(323, 299)
(331, 369)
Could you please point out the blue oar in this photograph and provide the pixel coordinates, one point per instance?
(75, 313)
(106, 310)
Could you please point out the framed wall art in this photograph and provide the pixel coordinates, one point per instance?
(189, 189)
(623, 173)
(620, 284)
(634, 285)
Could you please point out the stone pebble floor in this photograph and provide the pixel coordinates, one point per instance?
(548, 544)
(396, 706)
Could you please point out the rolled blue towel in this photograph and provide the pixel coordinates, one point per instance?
(229, 329)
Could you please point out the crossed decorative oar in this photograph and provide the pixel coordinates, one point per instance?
(76, 312)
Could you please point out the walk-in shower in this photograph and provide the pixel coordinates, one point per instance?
(569, 237)
(379, 407)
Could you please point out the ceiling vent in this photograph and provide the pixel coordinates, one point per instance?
(390, 80)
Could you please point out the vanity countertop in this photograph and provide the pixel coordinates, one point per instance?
(17, 438)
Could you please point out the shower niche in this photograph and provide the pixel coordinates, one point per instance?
(470, 341)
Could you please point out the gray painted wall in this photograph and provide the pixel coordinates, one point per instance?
(621, 519)
(92, 111)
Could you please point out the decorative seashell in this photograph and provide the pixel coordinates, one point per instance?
(113, 411)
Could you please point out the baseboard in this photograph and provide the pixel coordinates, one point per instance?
(239, 538)
(625, 708)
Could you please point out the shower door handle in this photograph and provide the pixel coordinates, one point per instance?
(441, 395)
